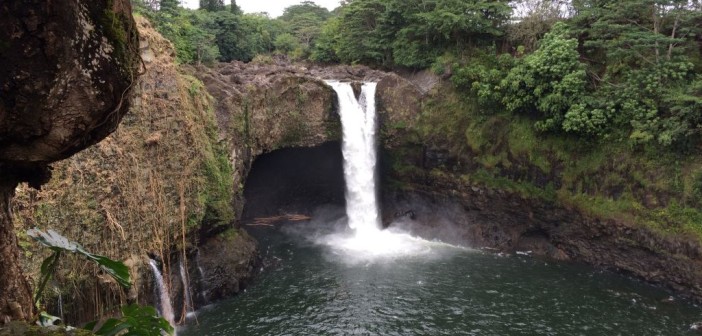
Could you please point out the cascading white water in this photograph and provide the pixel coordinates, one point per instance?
(186, 289)
(368, 241)
(358, 125)
(164, 297)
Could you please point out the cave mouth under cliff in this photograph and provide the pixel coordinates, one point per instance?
(294, 181)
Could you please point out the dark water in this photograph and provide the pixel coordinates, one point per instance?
(311, 289)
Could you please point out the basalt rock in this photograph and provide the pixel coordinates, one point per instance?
(227, 263)
(67, 67)
(450, 208)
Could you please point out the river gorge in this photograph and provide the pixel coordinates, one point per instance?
(283, 198)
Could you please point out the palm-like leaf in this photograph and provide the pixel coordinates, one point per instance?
(58, 243)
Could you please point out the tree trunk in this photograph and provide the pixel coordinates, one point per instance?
(15, 292)
(672, 36)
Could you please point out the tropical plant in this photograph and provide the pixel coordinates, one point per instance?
(59, 245)
(135, 320)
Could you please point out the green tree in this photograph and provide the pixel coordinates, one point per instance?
(360, 39)
(552, 83)
(212, 5)
(169, 6)
(259, 33)
(228, 36)
(305, 8)
(536, 19)
(236, 10)
(305, 21)
(642, 55)
(325, 47)
(286, 44)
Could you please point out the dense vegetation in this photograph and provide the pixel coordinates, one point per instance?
(596, 69)
(603, 96)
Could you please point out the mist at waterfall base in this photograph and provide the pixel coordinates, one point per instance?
(362, 239)
(339, 274)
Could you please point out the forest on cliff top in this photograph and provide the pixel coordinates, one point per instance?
(604, 96)
(596, 69)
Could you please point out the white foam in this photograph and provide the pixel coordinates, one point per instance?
(366, 240)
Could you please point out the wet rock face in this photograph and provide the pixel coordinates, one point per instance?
(67, 68)
(264, 107)
(287, 105)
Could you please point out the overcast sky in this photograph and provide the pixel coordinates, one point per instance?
(273, 7)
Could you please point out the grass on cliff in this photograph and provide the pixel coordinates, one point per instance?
(216, 172)
(161, 176)
(610, 180)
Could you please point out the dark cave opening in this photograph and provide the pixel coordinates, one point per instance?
(294, 181)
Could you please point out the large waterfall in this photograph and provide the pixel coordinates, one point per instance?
(359, 149)
(368, 240)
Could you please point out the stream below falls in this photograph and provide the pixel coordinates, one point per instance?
(310, 287)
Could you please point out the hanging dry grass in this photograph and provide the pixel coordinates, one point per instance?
(144, 189)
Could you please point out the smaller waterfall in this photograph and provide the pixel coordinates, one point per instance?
(202, 283)
(166, 309)
(199, 268)
(60, 306)
(186, 289)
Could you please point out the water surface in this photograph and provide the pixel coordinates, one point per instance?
(311, 288)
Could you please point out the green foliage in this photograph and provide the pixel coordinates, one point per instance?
(305, 8)
(482, 77)
(60, 244)
(413, 33)
(212, 5)
(135, 321)
(360, 39)
(551, 82)
(325, 47)
(235, 9)
(304, 21)
(286, 44)
(169, 7)
(204, 36)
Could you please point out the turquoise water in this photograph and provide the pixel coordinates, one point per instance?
(310, 288)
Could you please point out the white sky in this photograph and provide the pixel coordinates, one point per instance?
(273, 7)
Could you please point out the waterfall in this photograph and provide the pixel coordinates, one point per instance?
(359, 150)
(186, 288)
(166, 309)
(367, 242)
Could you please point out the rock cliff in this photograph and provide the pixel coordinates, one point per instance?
(67, 69)
(161, 186)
